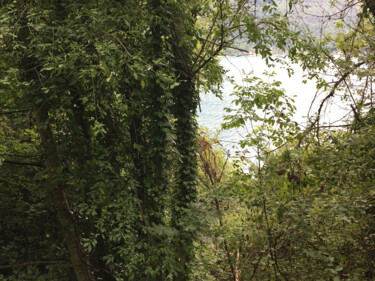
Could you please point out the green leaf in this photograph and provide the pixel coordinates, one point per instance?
(181, 42)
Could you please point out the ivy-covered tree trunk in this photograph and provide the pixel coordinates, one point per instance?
(85, 159)
(57, 186)
(185, 192)
(149, 130)
(159, 99)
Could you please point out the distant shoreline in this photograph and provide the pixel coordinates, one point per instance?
(248, 55)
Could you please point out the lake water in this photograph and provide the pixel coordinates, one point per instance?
(212, 107)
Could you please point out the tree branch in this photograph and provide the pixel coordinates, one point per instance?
(14, 111)
(32, 263)
(24, 163)
(331, 94)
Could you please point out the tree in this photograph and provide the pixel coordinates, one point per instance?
(102, 91)
(99, 101)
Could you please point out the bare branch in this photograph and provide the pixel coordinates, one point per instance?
(332, 93)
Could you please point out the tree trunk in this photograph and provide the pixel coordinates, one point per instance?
(371, 6)
(186, 186)
(57, 186)
(186, 101)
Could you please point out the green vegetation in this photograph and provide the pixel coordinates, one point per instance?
(103, 175)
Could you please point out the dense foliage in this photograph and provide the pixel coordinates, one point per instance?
(103, 177)
(306, 213)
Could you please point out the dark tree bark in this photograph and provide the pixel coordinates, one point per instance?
(57, 187)
(54, 180)
(370, 4)
(185, 192)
